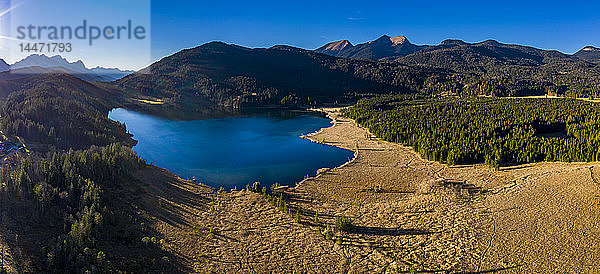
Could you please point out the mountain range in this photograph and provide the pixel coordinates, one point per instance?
(449, 54)
(453, 50)
(383, 48)
(37, 64)
(220, 75)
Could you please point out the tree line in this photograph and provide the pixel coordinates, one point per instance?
(74, 197)
(60, 111)
(494, 131)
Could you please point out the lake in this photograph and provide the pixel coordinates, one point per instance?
(234, 151)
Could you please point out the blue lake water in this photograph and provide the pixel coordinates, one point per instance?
(233, 151)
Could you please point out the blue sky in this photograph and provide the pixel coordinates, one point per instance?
(564, 26)
(45, 14)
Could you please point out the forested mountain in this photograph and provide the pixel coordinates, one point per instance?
(228, 75)
(71, 207)
(458, 55)
(384, 47)
(60, 110)
(218, 74)
(589, 53)
(73, 213)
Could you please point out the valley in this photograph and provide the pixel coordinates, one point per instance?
(469, 157)
(408, 214)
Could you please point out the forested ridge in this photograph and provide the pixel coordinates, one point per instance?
(494, 131)
(75, 199)
(218, 74)
(67, 200)
(61, 110)
(495, 69)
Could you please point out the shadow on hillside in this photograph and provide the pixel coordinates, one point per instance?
(167, 198)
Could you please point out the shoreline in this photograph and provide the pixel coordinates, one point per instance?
(312, 138)
(507, 216)
(216, 183)
(407, 213)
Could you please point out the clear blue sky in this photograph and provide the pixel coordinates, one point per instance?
(563, 25)
(174, 25)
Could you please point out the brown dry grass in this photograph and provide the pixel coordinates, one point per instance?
(425, 216)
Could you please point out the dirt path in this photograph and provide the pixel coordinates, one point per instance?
(408, 214)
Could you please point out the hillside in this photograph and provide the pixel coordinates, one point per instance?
(500, 69)
(589, 53)
(60, 110)
(72, 212)
(233, 76)
(451, 53)
(3, 66)
(458, 55)
(221, 75)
